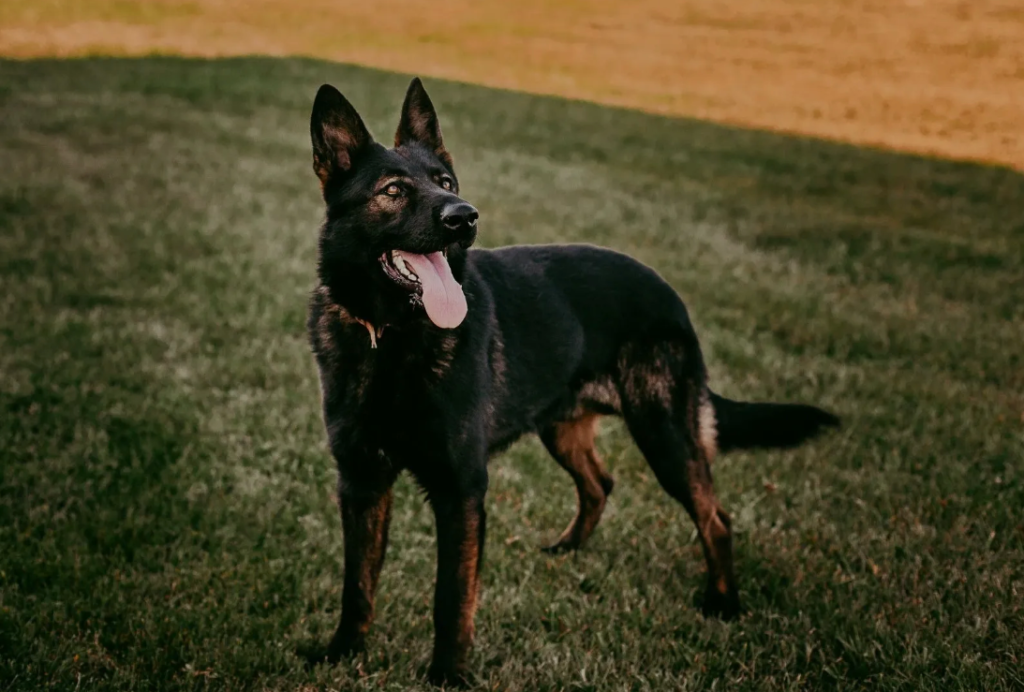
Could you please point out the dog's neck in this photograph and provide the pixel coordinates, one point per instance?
(352, 288)
(365, 318)
(343, 314)
(375, 332)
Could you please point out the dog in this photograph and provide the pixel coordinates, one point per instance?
(433, 357)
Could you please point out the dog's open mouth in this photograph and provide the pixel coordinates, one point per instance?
(430, 277)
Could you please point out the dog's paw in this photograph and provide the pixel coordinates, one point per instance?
(312, 653)
(448, 677)
(722, 606)
(344, 645)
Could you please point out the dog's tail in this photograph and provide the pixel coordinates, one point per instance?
(745, 425)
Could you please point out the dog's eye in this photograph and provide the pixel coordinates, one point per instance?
(446, 184)
(393, 190)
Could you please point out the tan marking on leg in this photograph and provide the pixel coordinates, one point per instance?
(365, 522)
(366, 543)
(460, 536)
(714, 527)
(572, 445)
(469, 569)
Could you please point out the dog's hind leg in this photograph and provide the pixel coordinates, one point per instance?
(571, 443)
(662, 405)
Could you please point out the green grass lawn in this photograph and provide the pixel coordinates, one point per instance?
(167, 518)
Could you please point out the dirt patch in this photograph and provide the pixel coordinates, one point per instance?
(939, 77)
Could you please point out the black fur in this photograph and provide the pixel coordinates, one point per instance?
(554, 336)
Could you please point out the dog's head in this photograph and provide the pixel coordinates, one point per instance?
(396, 231)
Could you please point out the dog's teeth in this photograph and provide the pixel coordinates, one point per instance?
(400, 264)
(407, 271)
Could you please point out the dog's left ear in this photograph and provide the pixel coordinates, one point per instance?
(419, 123)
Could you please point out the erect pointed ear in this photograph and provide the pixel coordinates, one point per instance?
(419, 122)
(337, 131)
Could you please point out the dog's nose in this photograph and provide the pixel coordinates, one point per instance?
(459, 215)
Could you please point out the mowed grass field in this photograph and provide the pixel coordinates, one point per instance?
(167, 517)
(941, 77)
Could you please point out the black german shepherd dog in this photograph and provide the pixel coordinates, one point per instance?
(433, 357)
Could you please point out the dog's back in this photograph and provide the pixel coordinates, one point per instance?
(563, 315)
(610, 296)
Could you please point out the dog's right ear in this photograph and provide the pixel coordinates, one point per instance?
(338, 133)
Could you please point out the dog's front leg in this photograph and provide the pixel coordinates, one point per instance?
(365, 516)
(460, 543)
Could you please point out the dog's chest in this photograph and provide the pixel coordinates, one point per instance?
(386, 397)
(376, 388)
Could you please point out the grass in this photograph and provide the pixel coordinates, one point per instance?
(933, 76)
(166, 511)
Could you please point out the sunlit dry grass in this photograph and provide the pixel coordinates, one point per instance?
(934, 76)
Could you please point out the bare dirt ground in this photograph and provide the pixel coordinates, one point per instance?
(940, 77)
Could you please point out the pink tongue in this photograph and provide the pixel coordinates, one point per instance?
(442, 295)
